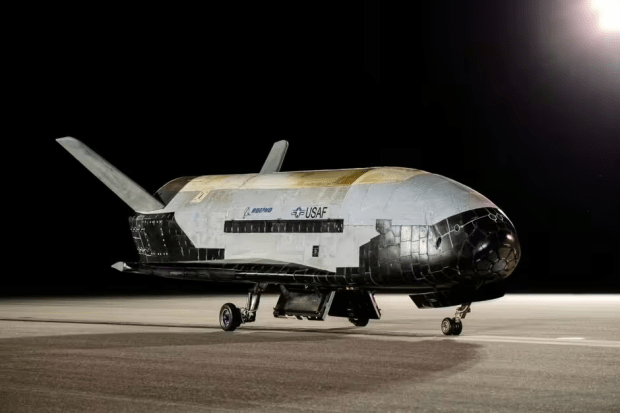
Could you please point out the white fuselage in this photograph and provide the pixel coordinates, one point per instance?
(359, 197)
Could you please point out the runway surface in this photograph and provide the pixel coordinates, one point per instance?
(518, 353)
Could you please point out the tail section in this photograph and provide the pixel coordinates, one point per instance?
(133, 194)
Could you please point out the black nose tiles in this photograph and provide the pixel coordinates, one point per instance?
(474, 245)
(492, 248)
(406, 254)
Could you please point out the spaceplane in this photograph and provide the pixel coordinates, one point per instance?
(326, 240)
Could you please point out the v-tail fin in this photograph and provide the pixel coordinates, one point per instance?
(275, 158)
(133, 194)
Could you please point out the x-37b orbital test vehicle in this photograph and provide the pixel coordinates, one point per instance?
(328, 239)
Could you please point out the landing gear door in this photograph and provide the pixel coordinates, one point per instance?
(356, 304)
(314, 305)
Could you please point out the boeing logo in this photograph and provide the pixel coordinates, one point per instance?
(248, 212)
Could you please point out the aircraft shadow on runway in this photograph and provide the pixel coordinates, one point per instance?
(200, 366)
(434, 355)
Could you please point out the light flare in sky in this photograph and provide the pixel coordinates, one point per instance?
(608, 14)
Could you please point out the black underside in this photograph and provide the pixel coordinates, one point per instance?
(459, 294)
(461, 254)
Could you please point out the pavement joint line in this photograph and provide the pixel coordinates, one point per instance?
(116, 323)
(337, 330)
(346, 331)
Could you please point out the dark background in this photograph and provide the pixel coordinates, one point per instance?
(521, 103)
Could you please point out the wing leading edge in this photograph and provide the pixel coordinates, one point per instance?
(232, 270)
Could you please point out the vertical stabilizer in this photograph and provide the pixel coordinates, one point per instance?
(133, 194)
(275, 158)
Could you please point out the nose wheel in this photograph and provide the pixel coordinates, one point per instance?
(454, 326)
(451, 327)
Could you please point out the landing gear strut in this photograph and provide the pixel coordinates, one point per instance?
(232, 317)
(454, 326)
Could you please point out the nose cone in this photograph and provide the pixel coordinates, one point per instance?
(496, 249)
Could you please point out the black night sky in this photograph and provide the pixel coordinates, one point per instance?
(520, 102)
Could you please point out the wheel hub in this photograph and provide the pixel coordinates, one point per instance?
(446, 326)
(226, 317)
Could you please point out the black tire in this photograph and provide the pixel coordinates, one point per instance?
(359, 321)
(238, 316)
(457, 327)
(230, 317)
(447, 326)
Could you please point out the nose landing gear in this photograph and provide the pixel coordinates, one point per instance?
(454, 326)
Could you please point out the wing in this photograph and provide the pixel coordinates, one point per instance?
(294, 279)
(232, 270)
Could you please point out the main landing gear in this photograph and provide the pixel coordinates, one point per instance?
(232, 317)
(454, 326)
(359, 321)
